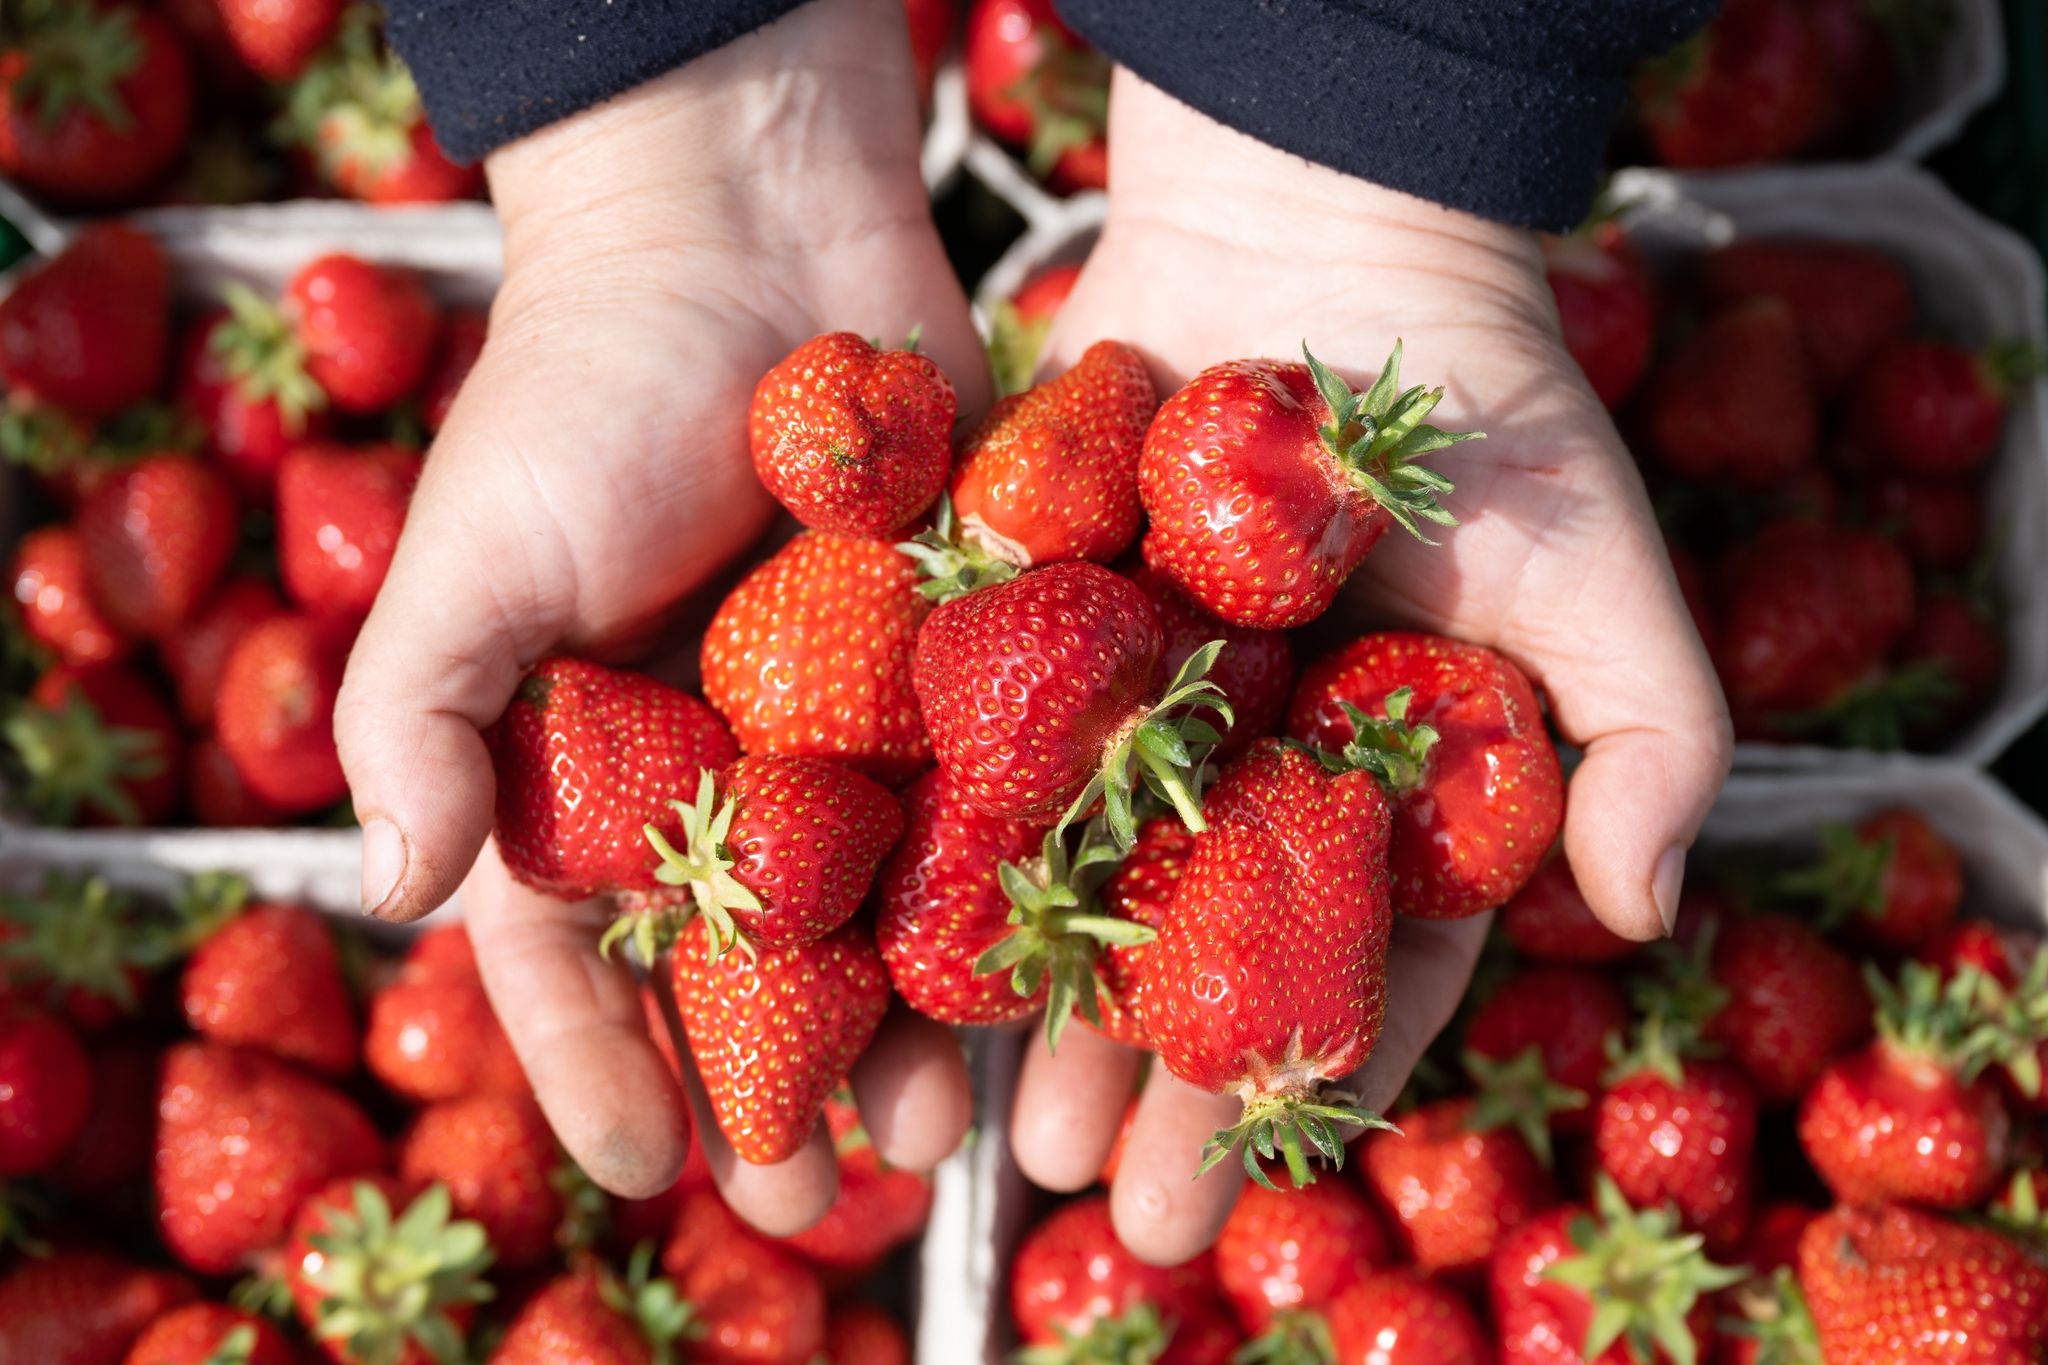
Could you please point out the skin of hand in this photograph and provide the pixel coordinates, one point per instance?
(1216, 247)
(662, 251)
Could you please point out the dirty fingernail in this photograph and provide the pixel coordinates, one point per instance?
(1666, 885)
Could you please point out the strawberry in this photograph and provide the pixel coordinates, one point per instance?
(77, 1307)
(2017, 1033)
(1892, 1284)
(267, 976)
(497, 1157)
(97, 746)
(1974, 943)
(1733, 403)
(1909, 1117)
(86, 329)
(1139, 892)
(753, 1302)
(811, 656)
(431, 1034)
(1934, 409)
(275, 711)
(1606, 305)
(1891, 879)
(57, 610)
(217, 795)
(158, 537)
(591, 1315)
(585, 757)
(1033, 85)
(339, 512)
(1051, 474)
(1941, 526)
(851, 438)
(1399, 1317)
(1548, 920)
(775, 1031)
(1606, 1285)
(862, 1334)
(1320, 471)
(1749, 87)
(82, 948)
(1019, 325)
(1953, 641)
(367, 330)
(95, 103)
(1454, 734)
(195, 655)
(1791, 1002)
(776, 851)
(210, 1334)
(1269, 975)
(381, 1272)
(1073, 1284)
(243, 376)
(1286, 1252)
(112, 1146)
(1769, 1324)
(278, 40)
(242, 1138)
(878, 1208)
(1567, 1014)
(1848, 302)
(1255, 668)
(463, 332)
(1029, 722)
(45, 1088)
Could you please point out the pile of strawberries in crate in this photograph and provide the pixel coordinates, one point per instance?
(227, 1129)
(1626, 1154)
(227, 490)
(1819, 462)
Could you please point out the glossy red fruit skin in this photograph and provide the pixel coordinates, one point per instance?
(760, 1305)
(1884, 1123)
(862, 1334)
(463, 333)
(1245, 435)
(1606, 305)
(1070, 1272)
(1255, 668)
(497, 1156)
(1295, 1249)
(271, 978)
(1847, 301)
(158, 535)
(425, 175)
(1972, 943)
(1795, 1002)
(586, 757)
(1005, 45)
(1451, 1192)
(430, 1032)
(112, 1147)
(1025, 685)
(85, 331)
(1733, 403)
(1140, 890)
(1401, 1317)
(1568, 1012)
(45, 1089)
(195, 656)
(1042, 296)
(278, 40)
(275, 712)
(1927, 408)
(1548, 920)
(216, 797)
(1750, 89)
(339, 513)
(81, 1307)
(192, 1334)
(878, 1209)
(811, 656)
(368, 330)
(1541, 1322)
(1922, 887)
(50, 586)
(82, 160)
(124, 700)
(1690, 1144)
(246, 436)
(1491, 799)
(571, 1318)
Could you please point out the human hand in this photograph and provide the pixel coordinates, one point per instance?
(1218, 247)
(662, 251)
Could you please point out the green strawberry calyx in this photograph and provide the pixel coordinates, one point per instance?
(1139, 1336)
(1641, 1275)
(206, 905)
(355, 107)
(1773, 1314)
(703, 864)
(1058, 927)
(236, 1347)
(1296, 1336)
(1067, 92)
(386, 1283)
(1657, 1046)
(1392, 748)
(2012, 1028)
(2021, 1213)
(72, 760)
(79, 933)
(77, 57)
(1014, 345)
(1880, 712)
(1377, 435)
(664, 1317)
(1288, 1114)
(954, 560)
(261, 351)
(1944, 1022)
(1848, 878)
(1163, 747)
(1518, 1094)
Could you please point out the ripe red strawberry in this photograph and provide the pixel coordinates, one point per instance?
(1680, 1132)
(1269, 975)
(776, 851)
(242, 1138)
(1567, 1014)
(1399, 1317)
(862, 1334)
(1847, 301)
(45, 1088)
(1283, 1252)
(97, 746)
(1749, 87)
(1139, 891)
(195, 655)
(1863, 46)
(1051, 474)
(1609, 1285)
(1035, 86)
(275, 711)
(1020, 323)
(1892, 879)
(586, 756)
(57, 610)
(591, 1315)
(1933, 409)
(1733, 403)
(463, 332)
(1072, 1281)
(379, 1270)
(85, 330)
(243, 377)
(776, 1031)
(76, 945)
(811, 656)
(267, 976)
(755, 1303)
(217, 795)
(95, 103)
(1940, 525)
(1890, 1284)
(1791, 1002)
(77, 1307)
(497, 1157)
(112, 1147)
(431, 1034)
(158, 537)
(1030, 722)
(1255, 669)
(1548, 920)
(1606, 305)
(878, 1209)
(339, 512)
(1974, 943)
(852, 438)
(210, 1334)
(277, 40)
(1953, 640)
(1454, 734)
(367, 330)
(1320, 471)
(1909, 1117)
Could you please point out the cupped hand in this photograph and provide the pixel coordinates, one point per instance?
(1217, 247)
(662, 251)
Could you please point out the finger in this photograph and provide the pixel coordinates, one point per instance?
(1163, 1213)
(1429, 964)
(577, 1023)
(912, 1090)
(1070, 1104)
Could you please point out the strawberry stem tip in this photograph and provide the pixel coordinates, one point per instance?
(1165, 750)
(77, 57)
(1277, 1125)
(1641, 1276)
(71, 759)
(1847, 879)
(1378, 434)
(1136, 1335)
(262, 351)
(1518, 1094)
(663, 1317)
(703, 864)
(950, 563)
(79, 933)
(1392, 749)
(1775, 1316)
(385, 1283)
